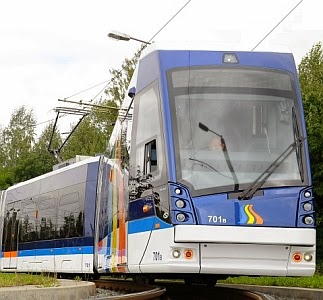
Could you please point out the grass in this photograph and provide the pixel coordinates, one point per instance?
(315, 281)
(15, 279)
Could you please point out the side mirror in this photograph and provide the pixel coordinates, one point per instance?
(132, 92)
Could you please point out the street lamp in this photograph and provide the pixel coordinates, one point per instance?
(119, 36)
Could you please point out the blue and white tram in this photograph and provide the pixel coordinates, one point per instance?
(211, 177)
(219, 152)
(48, 222)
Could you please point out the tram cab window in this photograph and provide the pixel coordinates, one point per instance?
(150, 157)
(146, 134)
(147, 158)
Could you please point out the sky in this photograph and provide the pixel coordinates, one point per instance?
(52, 50)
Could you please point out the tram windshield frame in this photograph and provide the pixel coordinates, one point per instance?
(253, 111)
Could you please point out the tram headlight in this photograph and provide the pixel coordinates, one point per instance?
(178, 191)
(308, 257)
(180, 217)
(176, 253)
(180, 203)
(307, 206)
(307, 194)
(308, 220)
(230, 58)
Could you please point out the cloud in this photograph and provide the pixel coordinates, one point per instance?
(51, 50)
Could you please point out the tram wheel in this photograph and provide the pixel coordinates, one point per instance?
(144, 279)
(210, 282)
(188, 281)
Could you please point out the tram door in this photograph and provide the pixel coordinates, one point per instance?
(10, 236)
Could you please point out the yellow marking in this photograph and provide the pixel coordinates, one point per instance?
(251, 218)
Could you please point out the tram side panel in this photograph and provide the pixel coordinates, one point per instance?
(112, 231)
(50, 220)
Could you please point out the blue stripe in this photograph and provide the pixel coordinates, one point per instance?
(59, 243)
(56, 251)
(147, 224)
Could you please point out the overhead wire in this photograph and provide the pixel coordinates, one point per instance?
(90, 88)
(122, 69)
(277, 25)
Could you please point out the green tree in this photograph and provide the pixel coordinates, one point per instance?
(311, 83)
(19, 136)
(94, 131)
(47, 160)
(38, 161)
(117, 90)
(87, 139)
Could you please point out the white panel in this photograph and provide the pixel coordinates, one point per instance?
(87, 266)
(69, 263)
(302, 268)
(136, 246)
(244, 259)
(158, 255)
(244, 235)
(76, 263)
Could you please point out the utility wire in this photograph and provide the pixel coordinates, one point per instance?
(111, 80)
(122, 69)
(171, 19)
(276, 25)
(92, 87)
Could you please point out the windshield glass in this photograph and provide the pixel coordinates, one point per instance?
(230, 125)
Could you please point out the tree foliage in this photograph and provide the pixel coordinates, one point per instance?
(22, 157)
(92, 135)
(116, 91)
(19, 136)
(311, 83)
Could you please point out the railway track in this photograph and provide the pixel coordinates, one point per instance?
(180, 291)
(129, 290)
(173, 291)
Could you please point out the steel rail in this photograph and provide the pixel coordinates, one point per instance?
(134, 291)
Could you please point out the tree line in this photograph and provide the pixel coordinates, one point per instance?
(23, 157)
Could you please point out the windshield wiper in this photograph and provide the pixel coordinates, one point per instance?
(226, 155)
(257, 184)
(298, 149)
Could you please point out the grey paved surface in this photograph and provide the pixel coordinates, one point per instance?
(68, 290)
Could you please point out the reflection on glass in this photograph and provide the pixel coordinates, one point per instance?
(250, 109)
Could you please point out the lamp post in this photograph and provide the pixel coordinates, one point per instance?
(119, 36)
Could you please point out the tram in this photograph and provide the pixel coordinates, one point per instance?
(208, 176)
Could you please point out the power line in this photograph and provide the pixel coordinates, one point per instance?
(276, 25)
(122, 69)
(171, 19)
(143, 47)
(92, 87)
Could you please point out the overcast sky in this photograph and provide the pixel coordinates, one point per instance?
(54, 49)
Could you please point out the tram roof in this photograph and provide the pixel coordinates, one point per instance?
(213, 46)
(58, 171)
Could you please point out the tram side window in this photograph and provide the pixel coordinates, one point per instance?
(70, 216)
(11, 221)
(47, 212)
(29, 227)
(150, 157)
(146, 131)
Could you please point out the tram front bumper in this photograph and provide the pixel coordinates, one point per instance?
(250, 250)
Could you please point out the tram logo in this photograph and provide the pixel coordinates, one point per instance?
(249, 216)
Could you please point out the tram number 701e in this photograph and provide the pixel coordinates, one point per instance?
(217, 219)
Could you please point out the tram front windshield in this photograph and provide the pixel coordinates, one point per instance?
(231, 124)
